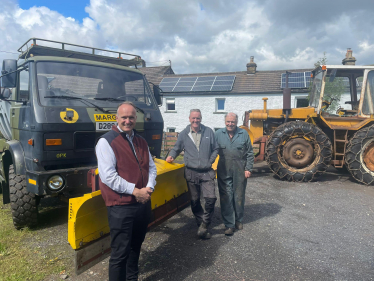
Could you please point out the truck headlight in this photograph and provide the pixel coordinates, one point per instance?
(55, 182)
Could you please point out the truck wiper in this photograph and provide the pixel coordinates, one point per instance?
(77, 98)
(63, 97)
(109, 99)
(98, 107)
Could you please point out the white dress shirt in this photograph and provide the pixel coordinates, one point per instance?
(107, 161)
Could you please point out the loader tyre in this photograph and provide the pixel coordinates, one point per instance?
(359, 155)
(24, 204)
(298, 151)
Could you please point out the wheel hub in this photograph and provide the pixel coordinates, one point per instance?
(298, 153)
(369, 157)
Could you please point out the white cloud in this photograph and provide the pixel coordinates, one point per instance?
(365, 46)
(204, 36)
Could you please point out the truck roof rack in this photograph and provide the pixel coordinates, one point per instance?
(39, 50)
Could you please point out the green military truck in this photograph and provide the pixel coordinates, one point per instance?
(56, 100)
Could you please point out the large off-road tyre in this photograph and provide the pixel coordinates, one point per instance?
(298, 151)
(24, 204)
(359, 155)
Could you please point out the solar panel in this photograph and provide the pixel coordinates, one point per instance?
(168, 84)
(218, 83)
(198, 84)
(183, 84)
(203, 83)
(210, 78)
(228, 77)
(170, 80)
(185, 79)
(167, 89)
(182, 89)
(202, 88)
(221, 88)
(303, 80)
(296, 80)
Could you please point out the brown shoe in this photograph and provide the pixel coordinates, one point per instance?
(238, 225)
(229, 231)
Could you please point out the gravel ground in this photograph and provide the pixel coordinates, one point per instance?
(292, 231)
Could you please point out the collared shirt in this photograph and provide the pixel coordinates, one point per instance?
(107, 167)
(232, 137)
(196, 136)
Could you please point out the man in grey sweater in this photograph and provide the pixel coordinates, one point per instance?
(200, 151)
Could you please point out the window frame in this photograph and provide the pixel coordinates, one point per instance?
(216, 103)
(301, 98)
(18, 93)
(170, 101)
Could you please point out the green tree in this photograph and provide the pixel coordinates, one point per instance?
(321, 61)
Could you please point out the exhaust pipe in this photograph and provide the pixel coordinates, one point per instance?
(286, 99)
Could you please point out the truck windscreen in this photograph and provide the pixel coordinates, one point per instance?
(69, 84)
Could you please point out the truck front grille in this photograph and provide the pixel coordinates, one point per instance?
(85, 140)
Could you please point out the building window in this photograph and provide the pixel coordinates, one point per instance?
(220, 104)
(171, 130)
(301, 102)
(170, 105)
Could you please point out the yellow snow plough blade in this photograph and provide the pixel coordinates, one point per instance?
(88, 219)
(88, 229)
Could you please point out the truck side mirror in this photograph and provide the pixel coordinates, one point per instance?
(5, 93)
(9, 80)
(158, 95)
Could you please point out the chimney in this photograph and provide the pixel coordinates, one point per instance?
(349, 60)
(251, 66)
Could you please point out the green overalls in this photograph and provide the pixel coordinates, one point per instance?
(235, 157)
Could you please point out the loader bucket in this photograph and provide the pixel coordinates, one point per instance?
(251, 136)
(88, 229)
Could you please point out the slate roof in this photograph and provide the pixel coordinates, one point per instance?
(155, 74)
(260, 82)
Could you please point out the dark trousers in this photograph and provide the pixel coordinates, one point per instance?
(201, 182)
(232, 198)
(128, 226)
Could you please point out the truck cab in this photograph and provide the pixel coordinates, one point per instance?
(62, 100)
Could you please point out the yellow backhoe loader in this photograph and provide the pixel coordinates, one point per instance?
(299, 144)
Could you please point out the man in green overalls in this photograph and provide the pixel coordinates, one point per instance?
(234, 167)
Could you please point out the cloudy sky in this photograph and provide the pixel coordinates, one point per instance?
(200, 36)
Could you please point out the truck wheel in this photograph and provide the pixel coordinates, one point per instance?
(24, 204)
(298, 151)
(359, 155)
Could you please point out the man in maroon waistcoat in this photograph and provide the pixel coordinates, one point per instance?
(127, 176)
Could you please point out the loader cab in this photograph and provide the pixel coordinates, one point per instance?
(336, 90)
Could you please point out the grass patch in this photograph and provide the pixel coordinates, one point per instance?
(179, 158)
(19, 258)
(3, 250)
